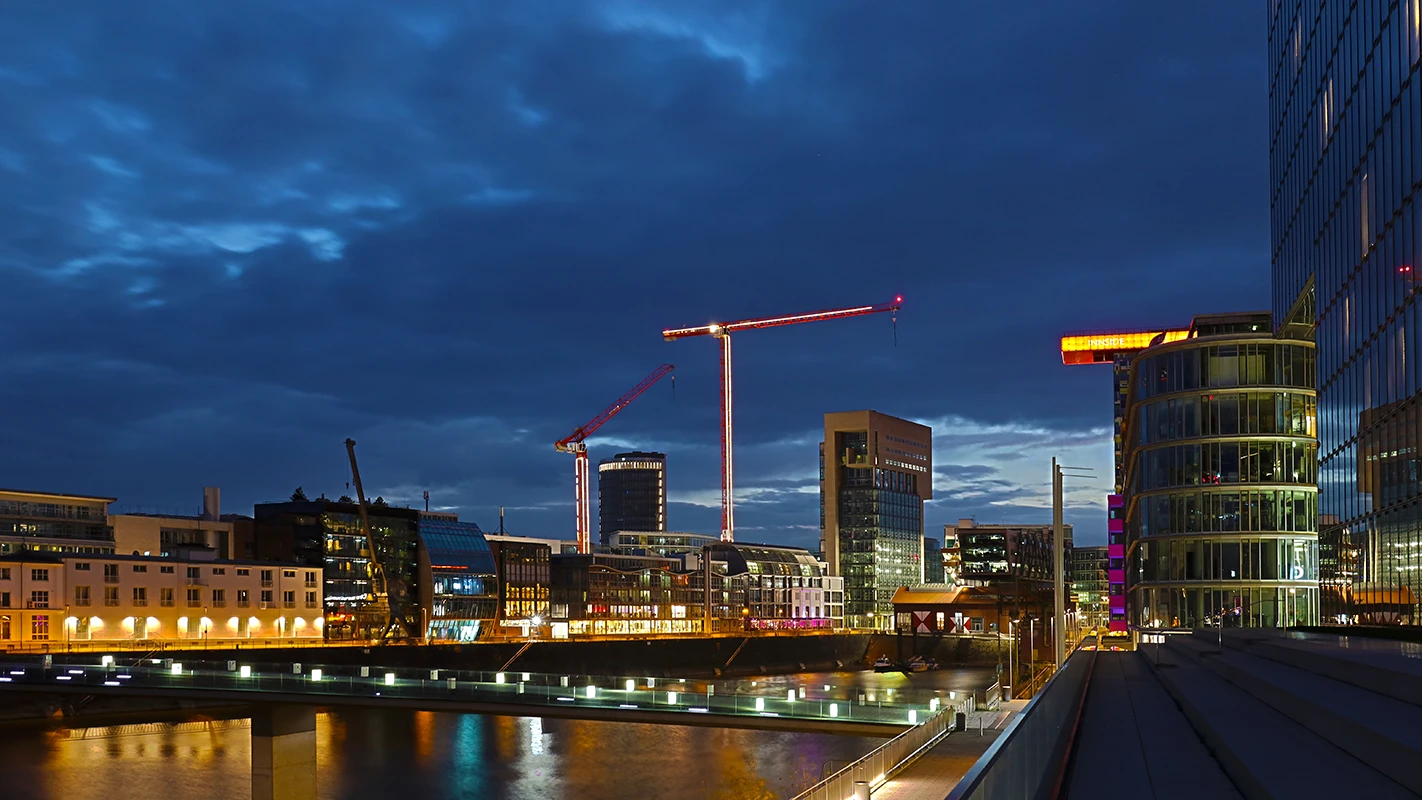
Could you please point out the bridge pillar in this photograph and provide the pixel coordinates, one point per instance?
(283, 752)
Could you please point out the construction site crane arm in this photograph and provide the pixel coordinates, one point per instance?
(720, 328)
(590, 427)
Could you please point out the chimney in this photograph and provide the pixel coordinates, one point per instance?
(211, 503)
(965, 523)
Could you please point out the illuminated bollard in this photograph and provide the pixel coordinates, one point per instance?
(760, 704)
(834, 709)
(631, 684)
(591, 693)
(296, 668)
(789, 695)
(365, 672)
(651, 683)
(232, 666)
(499, 678)
(316, 675)
(671, 698)
(245, 671)
(933, 704)
(106, 661)
(526, 676)
(434, 674)
(913, 717)
(177, 669)
(389, 679)
(451, 682)
(802, 693)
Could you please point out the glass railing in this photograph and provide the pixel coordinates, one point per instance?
(1028, 759)
(798, 701)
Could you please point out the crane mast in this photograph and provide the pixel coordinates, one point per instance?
(723, 331)
(396, 592)
(575, 443)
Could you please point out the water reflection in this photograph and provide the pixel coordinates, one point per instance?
(388, 753)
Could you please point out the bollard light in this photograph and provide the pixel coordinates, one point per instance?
(802, 693)
(760, 704)
(933, 704)
(591, 692)
(244, 671)
(651, 683)
(525, 676)
(106, 661)
(450, 684)
(631, 684)
(790, 695)
(434, 674)
(834, 709)
(316, 675)
(389, 679)
(671, 698)
(365, 672)
(913, 717)
(499, 678)
(177, 669)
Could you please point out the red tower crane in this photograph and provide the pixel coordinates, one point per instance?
(574, 443)
(723, 331)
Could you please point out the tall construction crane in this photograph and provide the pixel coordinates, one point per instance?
(397, 592)
(574, 443)
(723, 331)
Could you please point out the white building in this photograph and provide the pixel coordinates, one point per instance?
(159, 534)
(56, 599)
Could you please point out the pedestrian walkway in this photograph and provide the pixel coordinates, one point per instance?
(936, 772)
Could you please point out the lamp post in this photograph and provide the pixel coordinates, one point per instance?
(1059, 473)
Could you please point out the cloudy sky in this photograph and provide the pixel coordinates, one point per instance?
(232, 235)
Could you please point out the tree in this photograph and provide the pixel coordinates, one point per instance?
(298, 496)
(379, 501)
(345, 498)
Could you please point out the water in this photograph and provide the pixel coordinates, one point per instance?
(382, 753)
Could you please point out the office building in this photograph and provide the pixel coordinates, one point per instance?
(328, 534)
(932, 560)
(631, 494)
(993, 552)
(606, 594)
(1090, 587)
(161, 534)
(1344, 168)
(49, 598)
(875, 473)
(783, 588)
(457, 565)
(523, 567)
(1221, 479)
(50, 522)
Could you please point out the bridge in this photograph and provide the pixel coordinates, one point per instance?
(1223, 713)
(284, 697)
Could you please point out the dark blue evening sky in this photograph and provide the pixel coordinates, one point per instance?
(233, 234)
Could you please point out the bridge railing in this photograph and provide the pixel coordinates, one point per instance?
(893, 756)
(802, 701)
(1028, 760)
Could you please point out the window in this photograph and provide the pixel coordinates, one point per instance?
(244, 598)
(140, 596)
(4, 599)
(140, 567)
(975, 624)
(4, 573)
(288, 599)
(219, 570)
(266, 577)
(110, 596)
(243, 572)
(310, 599)
(266, 599)
(111, 573)
(310, 579)
(165, 597)
(194, 598)
(219, 597)
(194, 573)
(39, 574)
(82, 566)
(39, 599)
(288, 573)
(166, 570)
(39, 627)
(81, 595)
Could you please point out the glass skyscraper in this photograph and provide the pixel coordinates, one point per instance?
(1220, 479)
(631, 494)
(1344, 107)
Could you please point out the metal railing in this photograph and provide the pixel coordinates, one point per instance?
(1027, 761)
(892, 757)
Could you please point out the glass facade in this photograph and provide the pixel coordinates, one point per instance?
(631, 494)
(54, 523)
(1220, 477)
(464, 592)
(1345, 164)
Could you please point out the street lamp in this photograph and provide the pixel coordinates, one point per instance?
(1059, 473)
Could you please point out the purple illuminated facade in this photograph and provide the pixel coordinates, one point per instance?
(1116, 564)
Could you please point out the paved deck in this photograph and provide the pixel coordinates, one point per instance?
(936, 772)
(1134, 742)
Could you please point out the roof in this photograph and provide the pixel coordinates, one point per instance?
(60, 495)
(943, 595)
(36, 557)
(456, 545)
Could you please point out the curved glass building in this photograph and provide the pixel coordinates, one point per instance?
(1220, 457)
